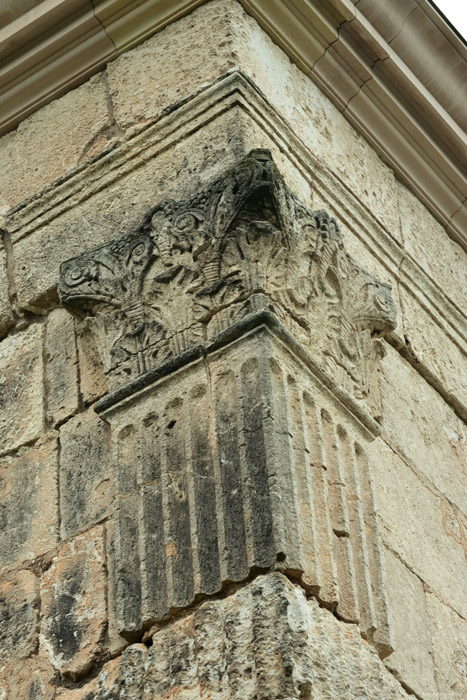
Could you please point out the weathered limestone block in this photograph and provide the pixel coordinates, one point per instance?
(449, 638)
(430, 344)
(172, 65)
(6, 312)
(93, 381)
(21, 388)
(412, 660)
(73, 606)
(423, 429)
(198, 265)
(48, 143)
(427, 241)
(28, 503)
(263, 642)
(31, 679)
(19, 606)
(85, 473)
(415, 526)
(62, 367)
(113, 194)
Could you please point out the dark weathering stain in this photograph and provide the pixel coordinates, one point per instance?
(65, 633)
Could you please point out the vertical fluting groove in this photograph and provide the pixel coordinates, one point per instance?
(178, 547)
(153, 562)
(382, 636)
(302, 477)
(314, 442)
(128, 569)
(285, 495)
(347, 606)
(357, 535)
(260, 516)
(234, 556)
(204, 505)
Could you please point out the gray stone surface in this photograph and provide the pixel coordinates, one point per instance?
(86, 475)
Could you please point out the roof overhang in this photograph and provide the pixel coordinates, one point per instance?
(395, 69)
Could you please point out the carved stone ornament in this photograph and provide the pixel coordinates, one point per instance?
(199, 265)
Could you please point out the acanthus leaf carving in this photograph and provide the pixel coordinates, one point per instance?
(198, 265)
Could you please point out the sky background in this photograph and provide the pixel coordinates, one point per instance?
(456, 12)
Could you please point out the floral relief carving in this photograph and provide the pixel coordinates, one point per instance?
(198, 265)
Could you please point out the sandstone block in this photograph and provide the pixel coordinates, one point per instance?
(172, 64)
(421, 427)
(73, 606)
(449, 638)
(21, 388)
(49, 142)
(62, 367)
(263, 642)
(414, 526)
(6, 312)
(28, 504)
(85, 473)
(412, 660)
(19, 606)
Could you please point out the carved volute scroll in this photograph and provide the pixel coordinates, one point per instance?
(197, 266)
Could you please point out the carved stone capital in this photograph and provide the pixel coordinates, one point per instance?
(199, 265)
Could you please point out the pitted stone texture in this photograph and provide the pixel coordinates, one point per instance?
(21, 388)
(48, 143)
(107, 213)
(412, 660)
(73, 606)
(30, 679)
(85, 473)
(19, 612)
(6, 311)
(430, 345)
(28, 503)
(171, 65)
(415, 526)
(449, 639)
(422, 428)
(429, 244)
(198, 265)
(315, 119)
(239, 461)
(263, 642)
(62, 367)
(93, 382)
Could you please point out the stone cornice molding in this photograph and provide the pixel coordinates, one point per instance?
(395, 72)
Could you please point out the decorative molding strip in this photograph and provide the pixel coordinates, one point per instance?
(370, 71)
(235, 90)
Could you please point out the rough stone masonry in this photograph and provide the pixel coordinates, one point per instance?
(232, 448)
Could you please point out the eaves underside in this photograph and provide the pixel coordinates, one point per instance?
(395, 69)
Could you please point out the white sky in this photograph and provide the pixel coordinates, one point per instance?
(456, 12)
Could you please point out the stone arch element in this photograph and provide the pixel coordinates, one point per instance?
(240, 338)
